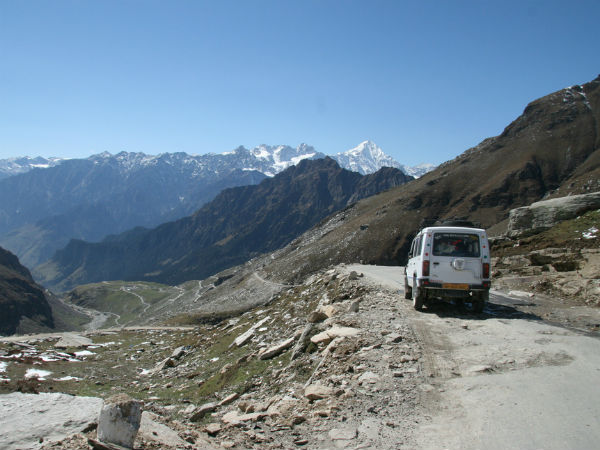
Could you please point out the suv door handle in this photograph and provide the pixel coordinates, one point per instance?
(436, 263)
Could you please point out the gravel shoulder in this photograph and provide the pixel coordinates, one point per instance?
(505, 378)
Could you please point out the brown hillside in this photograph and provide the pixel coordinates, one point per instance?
(550, 150)
(23, 304)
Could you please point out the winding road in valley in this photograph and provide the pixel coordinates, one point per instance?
(502, 379)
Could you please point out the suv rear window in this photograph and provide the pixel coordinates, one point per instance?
(456, 244)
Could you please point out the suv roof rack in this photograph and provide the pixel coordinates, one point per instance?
(454, 222)
(458, 222)
(428, 222)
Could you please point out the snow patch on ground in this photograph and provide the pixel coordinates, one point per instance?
(590, 233)
(37, 373)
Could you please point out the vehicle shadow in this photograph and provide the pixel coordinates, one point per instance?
(497, 308)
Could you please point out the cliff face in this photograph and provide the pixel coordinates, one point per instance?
(23, 304)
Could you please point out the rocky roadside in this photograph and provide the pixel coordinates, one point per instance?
(330, 363)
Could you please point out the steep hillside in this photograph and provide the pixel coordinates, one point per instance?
(238, 225)
(23, 305)
(550, 150)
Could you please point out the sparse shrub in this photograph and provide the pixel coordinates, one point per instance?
(566, 265)
(538, 259)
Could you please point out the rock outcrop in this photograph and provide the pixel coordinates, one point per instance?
(542, 215)
(28, 420)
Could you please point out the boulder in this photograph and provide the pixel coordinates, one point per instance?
(542, 215)
(317, 316)
(230, 398)
(247, 335)
(233, 418)
(72, 340)
(317, 391)
(272, 352)
(119, 420)
(178, 352)
(201, 411)
(328, 335)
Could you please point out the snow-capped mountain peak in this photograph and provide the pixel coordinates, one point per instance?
(366, 158)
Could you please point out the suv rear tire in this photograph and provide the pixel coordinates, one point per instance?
(417, 297)
(479, 301)
(407, 289)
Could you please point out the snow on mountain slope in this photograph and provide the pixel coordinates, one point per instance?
(365, 159)
(14, 166)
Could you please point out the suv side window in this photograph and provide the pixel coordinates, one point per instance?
(418, 245)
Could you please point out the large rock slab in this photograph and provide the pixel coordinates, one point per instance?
(329, 335)
(275, 350)
(540, 216)
(72, 340)
(27, 418)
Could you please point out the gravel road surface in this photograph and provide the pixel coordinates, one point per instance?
(502, 379)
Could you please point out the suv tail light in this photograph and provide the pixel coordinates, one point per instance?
(425, 267)
(486, 270)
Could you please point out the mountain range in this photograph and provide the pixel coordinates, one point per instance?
(551, 150)
(49, 202)
(239, 224)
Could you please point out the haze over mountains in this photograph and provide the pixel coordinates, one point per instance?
(45, 203)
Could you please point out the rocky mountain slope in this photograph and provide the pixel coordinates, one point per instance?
(551, 150)
(26, 307)
(23, 303)
(238, 225)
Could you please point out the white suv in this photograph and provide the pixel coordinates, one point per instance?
(449, 262)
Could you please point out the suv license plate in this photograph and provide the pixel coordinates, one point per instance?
(463, 287)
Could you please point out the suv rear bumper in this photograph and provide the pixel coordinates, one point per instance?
(440, 290)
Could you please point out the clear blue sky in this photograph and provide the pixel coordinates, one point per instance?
(425, 80)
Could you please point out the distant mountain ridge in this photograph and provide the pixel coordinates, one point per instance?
(23, 164)
(52, 201)
(239, 224)
(366, 158)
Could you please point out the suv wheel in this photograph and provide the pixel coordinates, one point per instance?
(417, 297)
(479, 301)
(407, 289)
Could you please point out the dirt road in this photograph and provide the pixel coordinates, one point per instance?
(502, 379)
